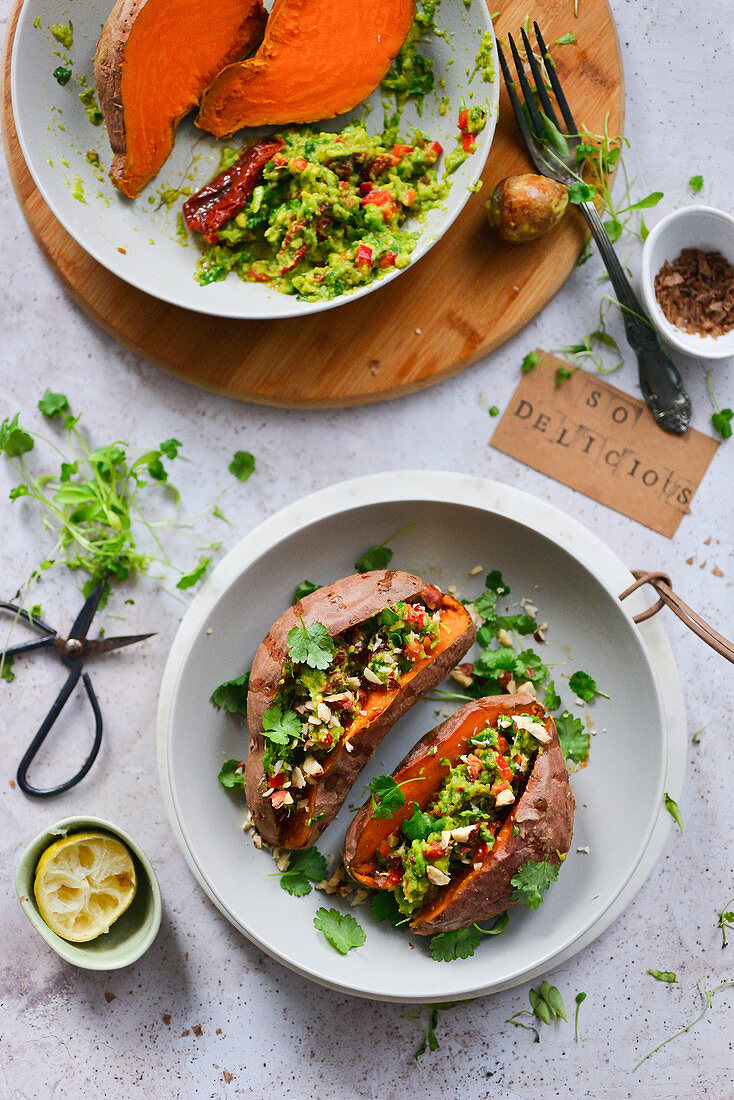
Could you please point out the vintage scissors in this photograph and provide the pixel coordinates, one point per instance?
(72, 652)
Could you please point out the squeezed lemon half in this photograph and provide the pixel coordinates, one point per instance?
(84, 882)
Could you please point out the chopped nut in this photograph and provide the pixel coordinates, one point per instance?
(461, 677)
(504, 638)
(534, 728)
(477, 569)
(323, 712)
(297, 778)
(528, 687)
(371, 677)
(504, 798)
(311, 767)
(437, 876)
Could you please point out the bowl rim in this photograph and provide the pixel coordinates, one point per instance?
(93, 244)
(690, 344)
(27, 863)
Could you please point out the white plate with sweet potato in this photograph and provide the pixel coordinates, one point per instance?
(638, 735)
(144, 239)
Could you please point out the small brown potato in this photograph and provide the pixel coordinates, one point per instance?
(538, 827)
(523, 208)
(339, 606)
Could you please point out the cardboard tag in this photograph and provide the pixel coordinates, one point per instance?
(597, 439)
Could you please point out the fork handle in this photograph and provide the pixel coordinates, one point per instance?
(660, 380)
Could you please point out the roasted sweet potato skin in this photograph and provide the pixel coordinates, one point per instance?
(543, 817)
(154, 60)
(339, 605)
(319, 58)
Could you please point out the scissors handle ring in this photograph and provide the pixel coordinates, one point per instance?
(55, 711)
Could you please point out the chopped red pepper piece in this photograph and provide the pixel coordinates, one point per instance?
(504, 769)
(468, 142)
(388, 260)
(409, 196)
(401, 151)
(366, 187)
(284, 271)
(463, 119)
(222, 199)
(434, 149)
(394, 877)
(364, 256)
(473, 765)
(299, 163)
(378, 196)
(277, 780)
(434, 850)
(501, 743)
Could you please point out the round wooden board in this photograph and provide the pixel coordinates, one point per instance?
(468, 296)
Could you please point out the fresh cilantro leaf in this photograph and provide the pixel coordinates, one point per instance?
(492, 661)
(281, 726)
(566, 39)
(305, 588)
(695, 183)
(377, 557)
(649, 201)
(232, 694)
(579, 192)
(170, 447)
(573, 737)
(53, 404)
(672, 807)
(189, 579)
(662, 975)
(529, 666)
(242, 465)
(584, 686)
(305, 865)
(387, 797)
(385, 907)
(61, 74)
(614, 228)
(229, 776)
(551, 700)
(340, 929)
(521, 624)
(419, 826)
(531, 881)
(311, 645)
(14, 440)
(447, 946)
(531, 360)
(19, 491)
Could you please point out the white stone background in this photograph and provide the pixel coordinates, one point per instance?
(281, 1035)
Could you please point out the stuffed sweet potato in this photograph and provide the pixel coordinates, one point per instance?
(331, 678)
(487, 794)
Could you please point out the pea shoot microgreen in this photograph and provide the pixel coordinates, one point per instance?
(726, 920)
(546, 1005)
(303, 589)
(430, 1042)
(188, 580)
(695, 184)
(580, 998)
(380, 556)
(662, 975)
(720, 418)
(341, 929)
(708, 996)
(310, 645)
(672, 807)
(242, 465)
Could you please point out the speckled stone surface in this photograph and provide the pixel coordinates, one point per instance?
(204, 1003)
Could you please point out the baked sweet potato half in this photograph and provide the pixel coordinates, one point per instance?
(319, 58)
(487, 793)
(154, 60)
(331, 678)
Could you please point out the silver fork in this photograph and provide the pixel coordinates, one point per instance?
(660, 381)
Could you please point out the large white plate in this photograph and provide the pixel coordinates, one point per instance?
(637, 753)
(55, 134)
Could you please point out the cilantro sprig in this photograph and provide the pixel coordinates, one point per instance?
(304, 868)
(310, 645)
(341, 929)
(574, 739)
(720, 418)
(584, 686)
(232, 774)
(232, 694)
(281, 726)
(531, 882)
(725, 921)
(387, 796)
(380, 556)
(448, 946)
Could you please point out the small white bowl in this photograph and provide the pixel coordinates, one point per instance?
(691, 227)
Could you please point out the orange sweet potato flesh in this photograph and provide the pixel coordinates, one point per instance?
(319, 58)
(153, 62)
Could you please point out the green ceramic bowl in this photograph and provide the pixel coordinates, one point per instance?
(130, 936)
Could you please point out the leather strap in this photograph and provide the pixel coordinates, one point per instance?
(667, 598)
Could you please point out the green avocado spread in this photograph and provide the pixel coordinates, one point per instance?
(458, 827)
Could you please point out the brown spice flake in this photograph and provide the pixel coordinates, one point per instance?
(227, 1076)
(197, 1029)
(218, 1031)
(185, 1033)
(167, 1019)
(696, 292)
(717, 572)
(109, 997)
(689, 561)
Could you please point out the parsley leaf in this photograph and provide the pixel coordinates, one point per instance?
(229, 776)
(302, 866)
(663, 975)
(280, 726)
(584, 686)
(53, 404)
(340, 929)
(387, 797)
(385, 907)
(305, 588)
(14, 440)
(573, 737)
(188, 580)
(672, 807)
(311, 645)
(531, 360)
(531, 881)
(696, 183)
(377, 557)
(232, 694)
(242, 465)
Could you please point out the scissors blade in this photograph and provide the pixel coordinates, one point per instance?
(83, 620)
(106, 645)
